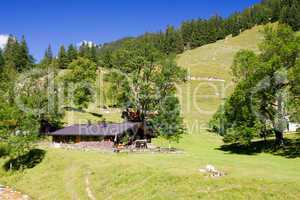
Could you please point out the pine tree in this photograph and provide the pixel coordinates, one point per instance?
(83, 50)
(93, 53)
(1, 61)
(186, 32)
(48, 53)
(173, 42)
(48, 58)
(291, 13)
(62, 58)
(25, 60)
(10, 52)
(72, 53)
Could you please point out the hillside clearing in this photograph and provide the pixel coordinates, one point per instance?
(214, 60)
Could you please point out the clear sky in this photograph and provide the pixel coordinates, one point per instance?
(59, 22)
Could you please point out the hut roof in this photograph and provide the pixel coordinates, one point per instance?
(103, 129)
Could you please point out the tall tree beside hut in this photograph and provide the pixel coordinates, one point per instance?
(144, 81)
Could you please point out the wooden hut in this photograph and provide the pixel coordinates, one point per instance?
(97, 132)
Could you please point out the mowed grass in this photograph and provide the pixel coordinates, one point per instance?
(214, 60)
(92, 114)
(63, 174)
(72, 174)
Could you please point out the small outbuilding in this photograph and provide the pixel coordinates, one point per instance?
(115, 132)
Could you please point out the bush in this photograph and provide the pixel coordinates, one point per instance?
(4, 150)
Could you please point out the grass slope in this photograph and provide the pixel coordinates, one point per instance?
(95, 111)
(200, 99)
(214, 60)
(63, 174)
(66, 174)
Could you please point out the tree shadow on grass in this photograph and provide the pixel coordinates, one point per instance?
(68, 108)
(291, 148)
(27, 161)
(96, 114)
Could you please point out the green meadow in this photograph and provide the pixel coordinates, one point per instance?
(250, 174)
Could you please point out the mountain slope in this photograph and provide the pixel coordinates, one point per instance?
(82, 174)
(209, 69)
(214, 60)
(199, 98)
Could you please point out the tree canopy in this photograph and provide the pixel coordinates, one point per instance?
(144, 80)
(266, 89)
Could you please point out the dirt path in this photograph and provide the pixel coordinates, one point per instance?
(210, 79)
(7, 193)
(88, 189)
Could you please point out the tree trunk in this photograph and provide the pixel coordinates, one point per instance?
(280, 121)
(279, 138)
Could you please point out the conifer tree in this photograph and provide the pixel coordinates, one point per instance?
(291, 13)
(48, 58)
(93, 53)
(25, 60)
(173, 42)
(48, 53)
(1, 61)
(62, 58)
(72, 53)
(83, 50)
(10, 52)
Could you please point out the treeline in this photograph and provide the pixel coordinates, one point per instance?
(66, 55)
(16, 55)
(195, 33)
(191, 34)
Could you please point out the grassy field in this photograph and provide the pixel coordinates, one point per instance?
(70, 174)
(63, 174)
(214, 60)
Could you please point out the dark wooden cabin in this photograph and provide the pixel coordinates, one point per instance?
(114, 132)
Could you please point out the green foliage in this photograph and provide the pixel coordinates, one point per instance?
(294, 101)
(48, 58)
(25, 60)
(63, 60)
(168, 123)
(16, 55)
(142, 80)
(195, 33)
(1, 61)
(244, 65)
(81, 80)
(257, 106)
(4, 149)
(89, 51)
(218, 121)
(18, 129)
(39, 97)
(290, 13)
(72, 53)
(172, 42)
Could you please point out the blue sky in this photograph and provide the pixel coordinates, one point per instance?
(59, 22)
